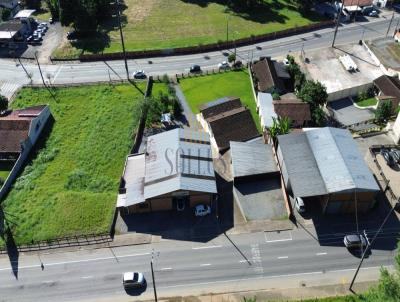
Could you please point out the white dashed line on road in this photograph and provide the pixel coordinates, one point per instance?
(320, 254)
(205, 264)
(166, 269)
(87, 277)
(283, 257)
(206, 247)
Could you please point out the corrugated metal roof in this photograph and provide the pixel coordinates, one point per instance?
(305, 178)
(331, 158)
(134, 181)
(266, 108)
(252, 158)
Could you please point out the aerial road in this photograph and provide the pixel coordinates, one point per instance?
(236, 263)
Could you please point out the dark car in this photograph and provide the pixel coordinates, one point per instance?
(72, 35)
(237, 64)
(195, 68)
(387, 155)
(396, 155)
(355, 241)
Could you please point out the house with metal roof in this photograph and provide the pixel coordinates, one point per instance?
(175, 171)
(324, 165)
(252, 160)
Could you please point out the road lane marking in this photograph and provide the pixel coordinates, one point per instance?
(75, 261)
(87, 277)
(320, 254)
(57, 73)
(205, 264)
(166, 269)
(206, 247)
(283, 257)
(242, 261)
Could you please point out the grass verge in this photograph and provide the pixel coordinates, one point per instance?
(367, 102)
(203, 89)
(158, 24)
(70, 187)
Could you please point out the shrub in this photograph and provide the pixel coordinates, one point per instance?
(231, 58)
(383, 111)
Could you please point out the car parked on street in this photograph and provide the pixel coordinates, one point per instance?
(133, 280)
(387, 155)
(355, 241)
(195, 68)
(202, 210)
(224, 65)
(139, 74)
(299, 205)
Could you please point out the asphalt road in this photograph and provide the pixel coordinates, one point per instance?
(14, 74)
(241, 262)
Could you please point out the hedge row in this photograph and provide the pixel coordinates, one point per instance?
(209, 47)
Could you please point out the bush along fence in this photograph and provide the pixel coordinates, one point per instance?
(185, 75)
(220, 45)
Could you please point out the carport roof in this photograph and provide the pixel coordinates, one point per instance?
(252, 158)
(324, 161)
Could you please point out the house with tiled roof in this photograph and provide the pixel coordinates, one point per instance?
(388, 89)
(19, 131)
(227, 120)
(268, 76)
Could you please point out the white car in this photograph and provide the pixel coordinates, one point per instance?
(224, 65)
(299, 204)
(139, 74)
(133, 279)
(202, 210)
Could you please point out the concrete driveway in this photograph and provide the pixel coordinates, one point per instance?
(347, 114)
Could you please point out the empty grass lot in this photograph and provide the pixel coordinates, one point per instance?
(71, 185)
(204, 89)
(158, 24)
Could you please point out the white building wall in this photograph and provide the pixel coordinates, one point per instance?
(396, 129)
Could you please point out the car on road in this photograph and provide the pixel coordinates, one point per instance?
(224, 65)
(355, 241)
(139, 74)
(195, 68)
(299, 205)
(133, 280)
(202, 210)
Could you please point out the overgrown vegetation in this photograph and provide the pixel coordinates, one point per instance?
(312, 92)
(366, 98)
(70, 187)
(384, 111)
(204, 89)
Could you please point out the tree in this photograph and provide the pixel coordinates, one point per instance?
(231, 58)
(318, 116)
(383, 111)
(280, 126)
(313, 93)
(53, 8)
(3, 103)
(304, 6)
(32, 4)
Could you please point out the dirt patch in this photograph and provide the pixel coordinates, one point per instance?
(139, 10)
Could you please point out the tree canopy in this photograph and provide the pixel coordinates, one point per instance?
(3, 103)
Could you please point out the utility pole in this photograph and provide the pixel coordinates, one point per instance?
(227, 31)
(122, 38)
(390, 24)
(337, 24)
(40, 70)
(370, 244)
(152, 276)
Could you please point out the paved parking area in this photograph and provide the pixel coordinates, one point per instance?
(347, 114)
(51, 40)
(261, 200)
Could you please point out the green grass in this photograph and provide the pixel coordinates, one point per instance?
(200, 90)
(157, 24)
(71, 185)
(367, 102)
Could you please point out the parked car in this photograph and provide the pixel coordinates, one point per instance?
(43, 24)
(139, 74)
(202, 210)
(388, 157)
(299, 205)
(355, 241)
(396, 155)
(373, 13)
(51, 21)
(237, 64)
(29, 39)
(72, 35)
(195, 68)
(133, 279)
(224, 65)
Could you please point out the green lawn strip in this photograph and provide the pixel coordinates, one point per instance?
(203, 89)
(159, 24)
(367, 102)
(71, 185)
